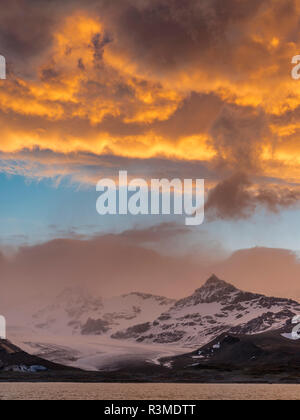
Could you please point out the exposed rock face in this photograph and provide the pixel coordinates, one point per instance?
(136, 330)
(215, 308)
(95, 327)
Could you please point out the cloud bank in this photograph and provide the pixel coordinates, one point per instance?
(184, 81)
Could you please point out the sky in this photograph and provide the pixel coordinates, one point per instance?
(197, 89)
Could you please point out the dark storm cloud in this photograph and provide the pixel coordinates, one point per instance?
(238, 198)
(238, 135)
(231, 199)
(26, 30)
(170, 35)
(163, 35)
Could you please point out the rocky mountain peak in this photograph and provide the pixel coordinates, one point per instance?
(214, 290)
(215, 282)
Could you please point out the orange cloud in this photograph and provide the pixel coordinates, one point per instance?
(76, 81)
(102, 89)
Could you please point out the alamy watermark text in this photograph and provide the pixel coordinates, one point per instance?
(2, 68)
(156, 197)
(2, 328)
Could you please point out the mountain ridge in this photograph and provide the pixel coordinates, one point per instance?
(214, 308)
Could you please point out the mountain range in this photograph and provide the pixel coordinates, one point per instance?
(218, 334)
(77, 312)
(215, 308)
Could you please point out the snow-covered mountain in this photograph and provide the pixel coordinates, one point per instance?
(215, 308)
(77, 312)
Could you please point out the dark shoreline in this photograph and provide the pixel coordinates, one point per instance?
(266, 358)
(206, 375)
